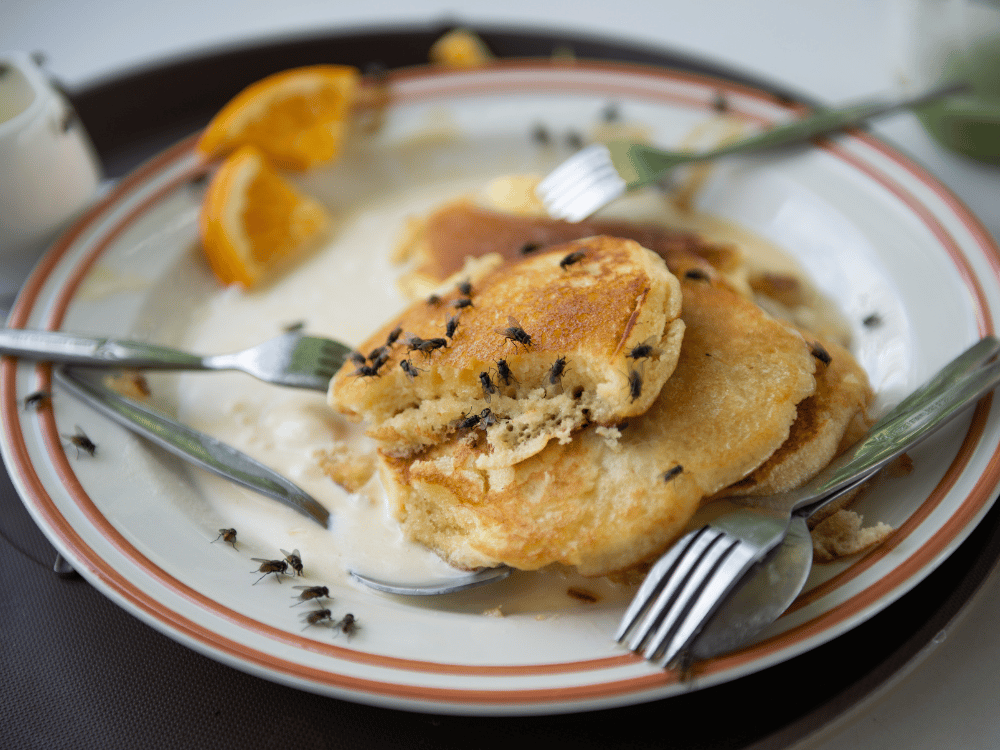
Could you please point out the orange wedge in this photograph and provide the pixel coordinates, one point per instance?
(297, 118)
(460, 48)
(253, 219)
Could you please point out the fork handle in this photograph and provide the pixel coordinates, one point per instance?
(68, 348)
(892, 437)
(824, 121)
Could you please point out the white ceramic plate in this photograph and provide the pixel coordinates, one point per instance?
(878, 234)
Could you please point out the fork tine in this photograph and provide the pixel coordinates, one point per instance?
(584, 168)
(583, 183)
(673, 601)
(653, 583)
(574, 167)
(732, 562)
(326, 355)
(338, 351)
(586, 198)
(596, 195)
(331, 357)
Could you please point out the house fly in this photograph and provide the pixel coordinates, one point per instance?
(227, 535)
(643, 350)
(569, 260)
(294, 560)
(278, 567)
(634, 384)
(317, 616)
(366, 371)
(467, 423)
(556, 371)
(348, 625)
(515, 333)
(529, 247)
(37, 399)
(413, 342)
(673, 472)
(379, 355)
(310, 593)
(504, 375)
(820, 353)
(409, 369)
(428, 345)
(82, 443)
(489, 387)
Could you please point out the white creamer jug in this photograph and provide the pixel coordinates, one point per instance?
(48, 168)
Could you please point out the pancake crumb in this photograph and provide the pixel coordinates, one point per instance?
(843, 535)
(348, 467)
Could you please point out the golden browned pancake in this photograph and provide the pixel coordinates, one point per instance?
(440, 244)
(443, 244)
(830, 420)
(546, 345)
(612, 498)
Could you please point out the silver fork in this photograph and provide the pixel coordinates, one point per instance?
(689, 582)
(599, 174)
(290, 359)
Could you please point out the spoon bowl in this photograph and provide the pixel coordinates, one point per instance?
(767, 590)
(436, 586)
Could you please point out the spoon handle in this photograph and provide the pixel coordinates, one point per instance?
(191, 445)
(229, 463)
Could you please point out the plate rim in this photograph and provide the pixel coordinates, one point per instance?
(8, 370)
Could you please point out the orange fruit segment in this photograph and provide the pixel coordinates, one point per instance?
(297, 118)
(252, 219)
(460, 48)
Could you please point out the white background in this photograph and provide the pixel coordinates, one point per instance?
(831, 50)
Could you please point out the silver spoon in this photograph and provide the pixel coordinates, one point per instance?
(432, 587)
(225, 461)
(768, 590)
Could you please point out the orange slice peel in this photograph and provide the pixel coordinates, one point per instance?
(253, 220)
(297, 118)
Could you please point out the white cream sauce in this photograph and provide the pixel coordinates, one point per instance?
(345, 290)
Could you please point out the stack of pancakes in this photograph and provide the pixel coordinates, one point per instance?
(581, 399)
